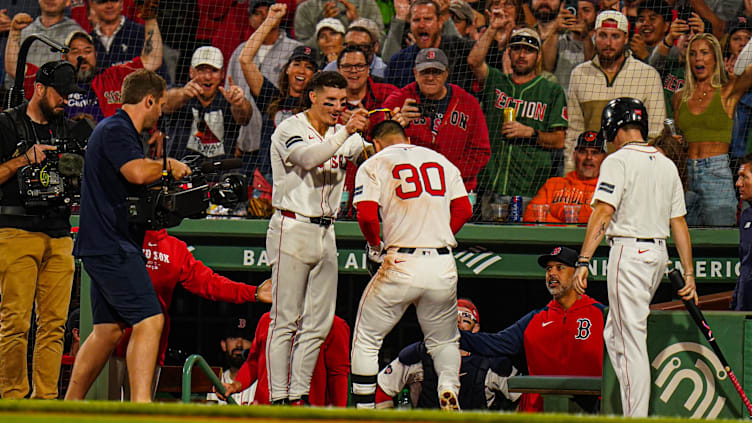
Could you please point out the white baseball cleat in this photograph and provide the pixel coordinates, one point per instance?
(448, 401)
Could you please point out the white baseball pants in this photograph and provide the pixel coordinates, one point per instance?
(304, 292)
(635, 268)
(426, 279)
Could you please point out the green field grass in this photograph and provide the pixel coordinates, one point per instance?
(26, 411)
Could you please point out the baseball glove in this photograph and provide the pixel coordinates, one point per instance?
(374, 258)
(147, 9)
(260, 207)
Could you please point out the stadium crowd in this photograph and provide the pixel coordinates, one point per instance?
(509, 91)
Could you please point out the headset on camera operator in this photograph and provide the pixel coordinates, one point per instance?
(36, 245)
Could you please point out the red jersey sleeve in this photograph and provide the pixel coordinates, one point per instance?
(199, 279)
(337, 360)
(460, 211)
(368, 219)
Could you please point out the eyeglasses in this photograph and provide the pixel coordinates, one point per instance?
(359, 67)
(466, 315)
(105, 1)
(431, 72)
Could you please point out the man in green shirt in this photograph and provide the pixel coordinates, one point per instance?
(521, 149)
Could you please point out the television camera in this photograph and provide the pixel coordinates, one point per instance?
(167, 202)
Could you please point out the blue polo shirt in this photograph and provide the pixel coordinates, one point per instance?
(103, 227)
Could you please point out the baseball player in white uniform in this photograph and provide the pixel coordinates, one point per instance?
(423, 203)
(638, 197)
(308, 154)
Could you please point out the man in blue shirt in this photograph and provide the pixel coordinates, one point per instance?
(122, 294)
(742, 299)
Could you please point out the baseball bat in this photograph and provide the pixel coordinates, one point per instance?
(677, 280)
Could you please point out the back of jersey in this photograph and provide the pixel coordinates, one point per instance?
(414, 187)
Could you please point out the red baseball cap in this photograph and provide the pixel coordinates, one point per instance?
(465, 303)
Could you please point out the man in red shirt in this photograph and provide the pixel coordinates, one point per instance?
(329, 382)
(576, 187)
(169, 262)
(563, 338)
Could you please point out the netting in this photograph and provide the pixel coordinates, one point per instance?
(511, 115)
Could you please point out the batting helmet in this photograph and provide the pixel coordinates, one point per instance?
(621, 111)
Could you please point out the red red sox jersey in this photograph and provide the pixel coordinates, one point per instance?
(329, 382)
(169, 262)
(556, 342)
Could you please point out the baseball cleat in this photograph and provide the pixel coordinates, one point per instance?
(448, 401)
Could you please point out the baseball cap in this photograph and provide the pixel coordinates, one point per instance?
(304, 53)
(660, 7)
(431, 58)
(76, 35)
(738, 24)
(368, 25)
(331, 23)
(237, 327)
(563, 255)
(253, 4)
(462, 10)
(207, 55)
(60, 75)
(590, 139)
(466, 303)
(525, 37)
(612, 19)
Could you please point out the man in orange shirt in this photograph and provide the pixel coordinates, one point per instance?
(576, 187)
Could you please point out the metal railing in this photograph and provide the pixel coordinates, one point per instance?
(192, 361)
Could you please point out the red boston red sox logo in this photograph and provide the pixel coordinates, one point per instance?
(431, 55)
(583, 329)
(556, 251)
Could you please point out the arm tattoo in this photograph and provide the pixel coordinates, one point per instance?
(148, 48)
(600, 232)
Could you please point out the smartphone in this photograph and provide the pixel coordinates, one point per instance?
(684, 12)
(571, 5)
(426, 110)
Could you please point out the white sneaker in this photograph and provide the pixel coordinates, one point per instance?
(448, 401)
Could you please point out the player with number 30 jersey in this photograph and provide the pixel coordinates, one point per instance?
(423, 203)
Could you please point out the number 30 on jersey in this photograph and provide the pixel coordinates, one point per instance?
(429, 178)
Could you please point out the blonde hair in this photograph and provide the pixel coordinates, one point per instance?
(719, 77)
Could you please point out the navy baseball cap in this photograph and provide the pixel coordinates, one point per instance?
(563, 255)
(237, 327)
(60, 75)
(738, 24)
(590, 139)
(304, 53)
(254, 4)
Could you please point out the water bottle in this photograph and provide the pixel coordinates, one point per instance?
(403, 400)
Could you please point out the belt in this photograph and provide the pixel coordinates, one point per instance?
(321, 221)
(411, 250)
(626, 238)
(13, 211)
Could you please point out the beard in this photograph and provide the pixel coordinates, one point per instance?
(85, 75)
(545, 16)
(605, 61)
(48, 111)
(522, 71)
(235, 361)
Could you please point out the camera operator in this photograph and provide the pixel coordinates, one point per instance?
(36, 268)
(122, 294)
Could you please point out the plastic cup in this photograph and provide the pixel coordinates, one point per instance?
(571, 213)
(541, 212)
(499, 212)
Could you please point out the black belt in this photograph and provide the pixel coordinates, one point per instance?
(650, 240)
(321, 221)
(13, 211)
(410, 250)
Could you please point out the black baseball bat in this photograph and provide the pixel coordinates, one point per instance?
(677, 280)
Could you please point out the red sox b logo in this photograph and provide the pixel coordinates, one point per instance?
(583, 329)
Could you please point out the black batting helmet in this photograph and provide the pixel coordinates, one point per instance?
(621, 111)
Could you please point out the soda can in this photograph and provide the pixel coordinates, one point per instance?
(670, 127)
(515, 209)
(509, 115)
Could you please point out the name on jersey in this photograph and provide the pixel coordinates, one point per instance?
(155, 258)
(672, 83)
(535, 110)
(456, 118)
(113, 97)
(336, 162)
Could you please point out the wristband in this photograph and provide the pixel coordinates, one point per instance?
(584, 258)
(255, 295)
(582, 264)
(668, 46)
